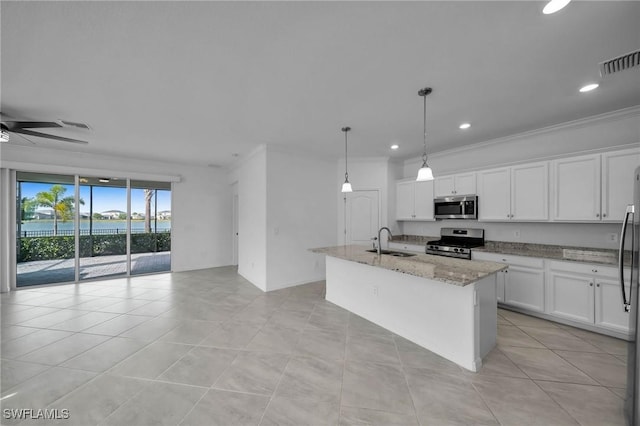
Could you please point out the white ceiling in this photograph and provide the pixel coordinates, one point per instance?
(196, 82)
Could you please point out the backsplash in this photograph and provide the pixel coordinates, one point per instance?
(596, 235)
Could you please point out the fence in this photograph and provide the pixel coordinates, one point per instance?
(71, 232)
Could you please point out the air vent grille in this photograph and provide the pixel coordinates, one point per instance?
(621, 63)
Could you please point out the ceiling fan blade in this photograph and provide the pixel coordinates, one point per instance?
(44, 135)
(14, 125)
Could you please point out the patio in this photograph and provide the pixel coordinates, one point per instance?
(57, 271)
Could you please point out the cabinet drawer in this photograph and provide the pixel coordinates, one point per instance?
(529, 262)
(584, 268)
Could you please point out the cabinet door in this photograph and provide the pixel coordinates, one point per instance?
(494, 195)
(444, 186)
(576, 188)
(571, 296)
(405, 200)
(609, 311)
(423, 200)
(617, 182)
(530, 192)
(465, 184)
(524, 287)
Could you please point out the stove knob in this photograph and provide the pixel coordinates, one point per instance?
(456, 250)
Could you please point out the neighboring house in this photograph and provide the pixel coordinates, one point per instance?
(137, 216)
(43, 213)
(112, 214)
(165, 214)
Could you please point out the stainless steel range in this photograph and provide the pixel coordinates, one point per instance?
(456, 242)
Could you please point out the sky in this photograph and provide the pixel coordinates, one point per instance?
(104, 198)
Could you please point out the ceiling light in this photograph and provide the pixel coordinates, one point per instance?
(554, 5)
(395, 146)
(425, 173)
(346, 186)
(589, 87)
(465, 126)
(104, 180)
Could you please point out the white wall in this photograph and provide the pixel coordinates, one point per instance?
(608, 131)
(201, 215)
(300, 216)
(251, 177)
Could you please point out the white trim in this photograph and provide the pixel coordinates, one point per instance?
(76, 226)
(70, 170)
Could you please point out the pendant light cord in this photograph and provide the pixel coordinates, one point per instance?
(424, 92)
(346, 173)
(424, 127)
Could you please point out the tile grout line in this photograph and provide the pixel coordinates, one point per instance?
(406, 381)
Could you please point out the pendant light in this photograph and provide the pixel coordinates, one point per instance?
(425, 173)
(346, 186)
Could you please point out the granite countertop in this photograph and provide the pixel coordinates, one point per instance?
(545, 251)
(458, 272)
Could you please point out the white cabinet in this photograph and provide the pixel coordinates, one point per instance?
(414, 200)
(617, 182)
(587, 293)
(460, 184)
(514, 193)
(595, 187)
(523, 282)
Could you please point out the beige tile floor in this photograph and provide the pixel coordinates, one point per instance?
(208, 348)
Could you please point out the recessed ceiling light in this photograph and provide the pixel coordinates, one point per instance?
(395, 146)
(465, 126)
(589, 87)
(554, 5)
(103, 180)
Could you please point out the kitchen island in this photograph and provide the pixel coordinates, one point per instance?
(445, 305)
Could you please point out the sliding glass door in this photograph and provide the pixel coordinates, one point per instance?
(45, 228)
(150, 227)
(103, 227)
(121, 227)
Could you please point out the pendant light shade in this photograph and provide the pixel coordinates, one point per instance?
(425, 173)
(346, 186)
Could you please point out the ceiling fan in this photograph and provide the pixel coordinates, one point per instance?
(25, 128)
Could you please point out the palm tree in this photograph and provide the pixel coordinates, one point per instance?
(148, 196)
(28, 207)
(62, 206)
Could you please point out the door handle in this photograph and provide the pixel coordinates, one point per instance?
(629, 212)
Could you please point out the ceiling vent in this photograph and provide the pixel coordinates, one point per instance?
(621, 63)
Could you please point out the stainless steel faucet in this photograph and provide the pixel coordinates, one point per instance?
(380, 241)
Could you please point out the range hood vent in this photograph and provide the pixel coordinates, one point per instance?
(621, 63)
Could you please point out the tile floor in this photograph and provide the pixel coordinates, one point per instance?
(208, 348)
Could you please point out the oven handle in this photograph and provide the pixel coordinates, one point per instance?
(629, 212)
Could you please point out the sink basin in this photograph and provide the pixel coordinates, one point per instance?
(393, 253)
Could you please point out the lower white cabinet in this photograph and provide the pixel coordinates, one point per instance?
(587, 293)
(523, 284)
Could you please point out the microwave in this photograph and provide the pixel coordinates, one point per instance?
(458, 207)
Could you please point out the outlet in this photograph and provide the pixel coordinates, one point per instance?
(516, 233)
(612, 237)
(375, 290)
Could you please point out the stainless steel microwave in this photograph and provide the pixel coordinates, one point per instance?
(458, 207)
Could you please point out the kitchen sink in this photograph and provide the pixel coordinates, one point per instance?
(393, 253)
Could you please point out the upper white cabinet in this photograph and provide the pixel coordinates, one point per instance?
(595, 187)
(460, 184)
(514, 193)
(617, 182)
(414, 200)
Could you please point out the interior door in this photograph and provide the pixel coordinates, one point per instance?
(363, 216)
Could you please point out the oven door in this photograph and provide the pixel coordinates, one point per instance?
(456, 207)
